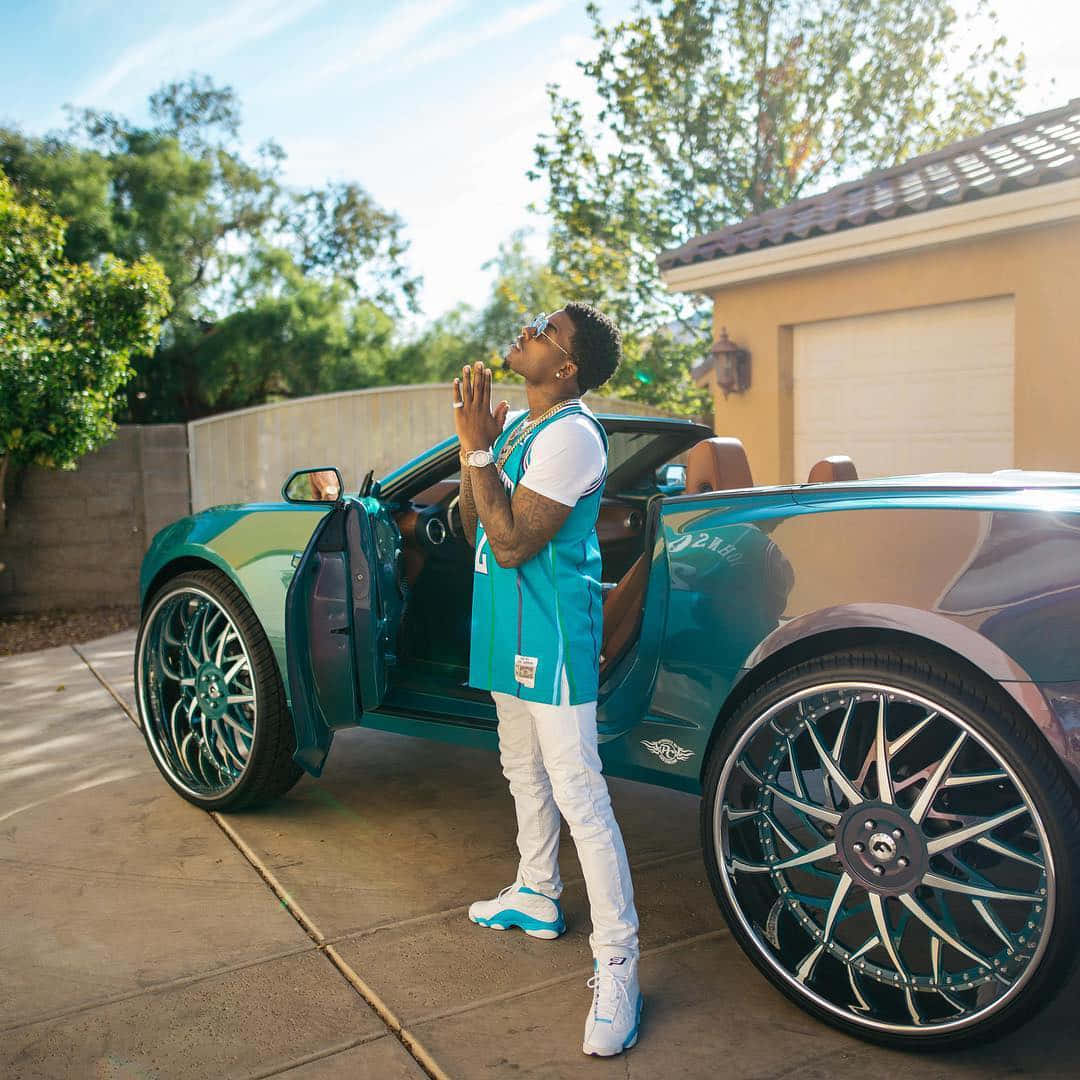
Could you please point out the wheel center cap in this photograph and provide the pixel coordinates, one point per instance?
(882, 848)
(211, 691)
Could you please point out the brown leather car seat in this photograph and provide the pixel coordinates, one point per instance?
(717, 465)
(833, 470)
(622, 611)
(712, 465)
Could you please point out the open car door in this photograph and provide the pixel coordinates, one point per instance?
(342, 613)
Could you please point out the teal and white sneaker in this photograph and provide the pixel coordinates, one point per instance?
(538, 915)
(612, 1024)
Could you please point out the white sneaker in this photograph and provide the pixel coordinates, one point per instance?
(538, 915)
(612, 1023)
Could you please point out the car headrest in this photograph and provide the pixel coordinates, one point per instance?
(833, 470)
(717, 465)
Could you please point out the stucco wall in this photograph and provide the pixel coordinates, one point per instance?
(1039, 267)
(74, 540)
(245, 456)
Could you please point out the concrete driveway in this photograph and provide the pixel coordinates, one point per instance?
(326, 936)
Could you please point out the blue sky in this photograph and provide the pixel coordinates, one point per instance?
(432, 105)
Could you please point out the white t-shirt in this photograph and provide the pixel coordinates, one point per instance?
(566, 459)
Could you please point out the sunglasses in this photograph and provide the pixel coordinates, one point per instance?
(539, 327)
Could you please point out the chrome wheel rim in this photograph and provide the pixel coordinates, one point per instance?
(884, 859)
(196, 692)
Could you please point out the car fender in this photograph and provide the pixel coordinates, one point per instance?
(939, 630)
(255, 546)
(931, 626)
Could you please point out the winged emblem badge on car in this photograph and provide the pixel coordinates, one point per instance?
(667, 750)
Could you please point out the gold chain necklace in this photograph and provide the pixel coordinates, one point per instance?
(529, 425)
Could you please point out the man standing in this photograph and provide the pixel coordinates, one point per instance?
(530, 492)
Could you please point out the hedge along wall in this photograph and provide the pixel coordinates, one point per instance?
(74, 540)
(245, 456)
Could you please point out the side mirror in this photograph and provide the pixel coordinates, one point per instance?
(313, 486)
(671, 475)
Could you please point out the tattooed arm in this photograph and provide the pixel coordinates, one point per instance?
(516, 529)
(467, 504)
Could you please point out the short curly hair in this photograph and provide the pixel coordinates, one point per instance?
(596, 347)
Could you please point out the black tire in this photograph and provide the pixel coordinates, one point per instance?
(267, 770)
(743, 849)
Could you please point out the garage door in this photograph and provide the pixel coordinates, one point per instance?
(922, 390)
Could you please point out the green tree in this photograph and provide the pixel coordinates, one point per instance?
(68, 332)
(712, 111)
(521, 286)
(257, 269)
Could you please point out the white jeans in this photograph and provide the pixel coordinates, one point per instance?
(549, 755)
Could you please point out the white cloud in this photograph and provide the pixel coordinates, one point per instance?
(243, 22)
(394, 33)
(386, 53)
(509, 22)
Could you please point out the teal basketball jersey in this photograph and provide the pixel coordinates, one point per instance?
(538, 624)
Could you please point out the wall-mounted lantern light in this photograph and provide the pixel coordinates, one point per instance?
(731, 364)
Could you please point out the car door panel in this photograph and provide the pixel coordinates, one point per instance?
(341, 615)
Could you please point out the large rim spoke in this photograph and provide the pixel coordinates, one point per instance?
(881, 921)
(976, 778)
(997, 927)
(983, 892)
(238, 666)
(881, 757)
(809, 962)
(937, 974)
(804, 858)
(223, 638)
(832, 817)
(1009, 852)
(841, 734)
(898, 744)
(164, 644)
(831, 767)
(971, 832)
(935, 780)
(208, 620)
(796, 772)
(938, 930)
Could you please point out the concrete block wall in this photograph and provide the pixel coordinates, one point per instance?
(74, 540)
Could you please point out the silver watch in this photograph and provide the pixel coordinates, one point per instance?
(479, 458)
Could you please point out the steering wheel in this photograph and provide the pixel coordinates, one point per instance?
(453, 518)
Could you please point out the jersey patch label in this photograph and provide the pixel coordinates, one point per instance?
(525, 670)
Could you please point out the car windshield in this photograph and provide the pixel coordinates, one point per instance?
(634, 456)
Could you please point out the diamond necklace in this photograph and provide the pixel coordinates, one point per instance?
(528, 426)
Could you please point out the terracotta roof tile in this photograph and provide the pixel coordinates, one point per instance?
(1037, 150)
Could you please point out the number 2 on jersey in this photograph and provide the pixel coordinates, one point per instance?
(480, 561)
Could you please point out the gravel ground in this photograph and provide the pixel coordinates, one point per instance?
(25, 633)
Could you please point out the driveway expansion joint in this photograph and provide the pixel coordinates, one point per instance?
(108, 687)
(412, 1045)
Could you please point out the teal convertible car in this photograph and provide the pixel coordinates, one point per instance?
(874, 686)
